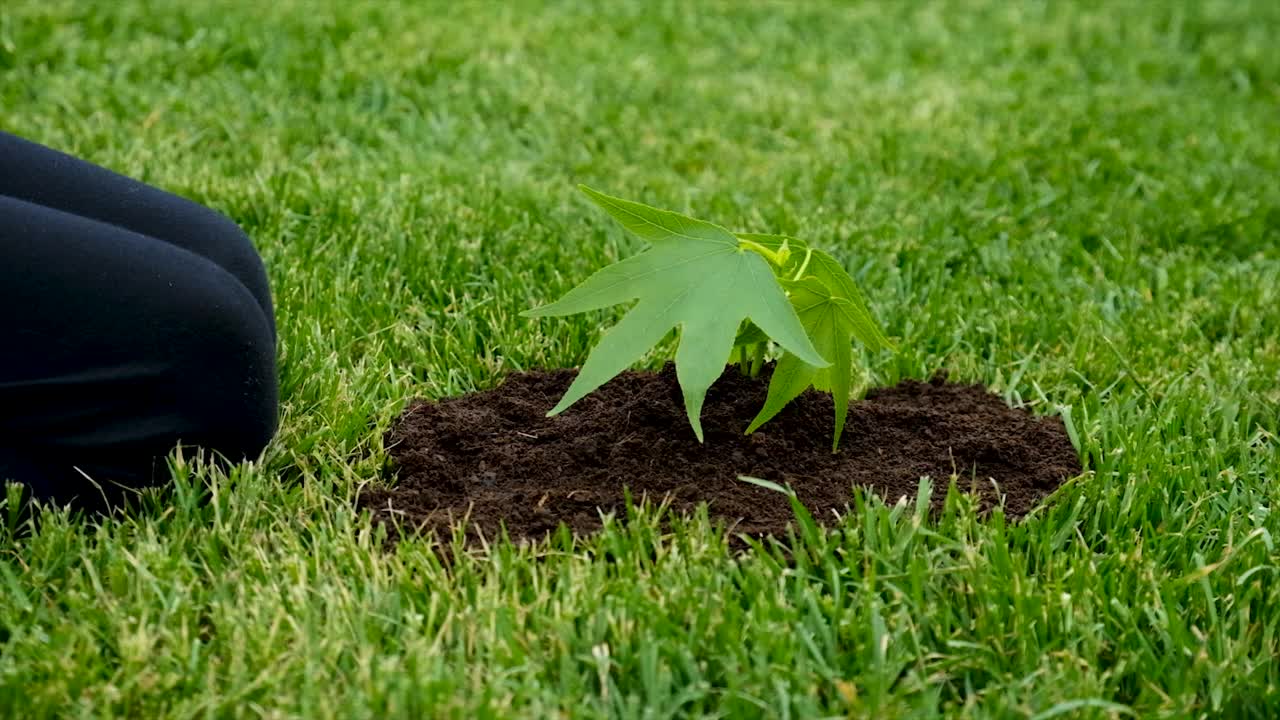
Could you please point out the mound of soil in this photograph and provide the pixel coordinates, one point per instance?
(494, 458)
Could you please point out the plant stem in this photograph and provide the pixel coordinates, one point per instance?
(808, 255)
(778, 258)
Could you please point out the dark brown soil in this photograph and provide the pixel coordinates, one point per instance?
(495, 458)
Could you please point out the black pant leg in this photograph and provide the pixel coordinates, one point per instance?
(40, 175)
(115, 347)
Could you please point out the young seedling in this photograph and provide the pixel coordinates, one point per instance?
(731, 296)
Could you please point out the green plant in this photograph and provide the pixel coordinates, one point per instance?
(732, 296)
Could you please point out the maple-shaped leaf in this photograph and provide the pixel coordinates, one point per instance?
(695, 276)
(833, 313)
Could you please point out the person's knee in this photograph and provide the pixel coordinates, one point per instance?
(226, 244)
(237, 248)
(225, 371)
(244, 417)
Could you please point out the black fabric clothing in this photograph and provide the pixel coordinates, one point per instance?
(131, 321)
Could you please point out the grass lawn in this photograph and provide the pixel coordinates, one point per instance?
(1075, 203)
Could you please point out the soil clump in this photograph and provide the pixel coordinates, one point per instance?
(494, 458)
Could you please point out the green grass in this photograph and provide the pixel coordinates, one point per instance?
(1076, 203)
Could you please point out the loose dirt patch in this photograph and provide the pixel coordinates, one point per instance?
(495, 458)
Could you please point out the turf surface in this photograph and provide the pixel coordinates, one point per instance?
(1073, 202)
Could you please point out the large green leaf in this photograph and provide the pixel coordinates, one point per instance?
(833, 313)
(695, 276)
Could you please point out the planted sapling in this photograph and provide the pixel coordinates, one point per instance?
(733, 296)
